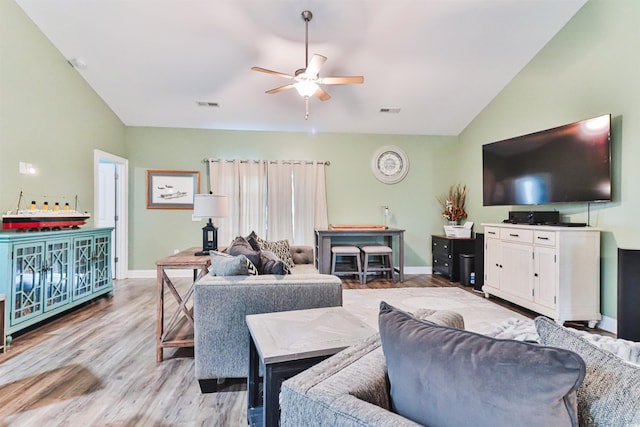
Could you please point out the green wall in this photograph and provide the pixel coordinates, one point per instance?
(49, 117)
(591, 67)
(353, 193)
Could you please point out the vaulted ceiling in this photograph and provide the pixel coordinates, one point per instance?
(440, 62)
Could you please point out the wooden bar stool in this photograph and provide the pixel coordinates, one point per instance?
(377, 259)
(353, 268)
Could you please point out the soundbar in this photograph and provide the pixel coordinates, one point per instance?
(533, 217)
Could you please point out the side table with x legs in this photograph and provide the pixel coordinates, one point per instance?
(178, 330)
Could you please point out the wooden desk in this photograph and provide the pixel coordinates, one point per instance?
(324, 239)
(178, 331)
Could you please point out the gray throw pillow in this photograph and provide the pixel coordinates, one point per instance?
(240, 246)
(271, 264)
(227, 265)
(443, 376)
(610, 393)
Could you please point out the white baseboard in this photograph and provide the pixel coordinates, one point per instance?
(418, 270)
(608, 324)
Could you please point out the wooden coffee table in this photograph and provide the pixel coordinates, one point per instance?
(288, 342)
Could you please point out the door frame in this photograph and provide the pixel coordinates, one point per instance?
(122, 206)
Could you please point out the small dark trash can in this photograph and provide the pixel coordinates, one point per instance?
(467, 266)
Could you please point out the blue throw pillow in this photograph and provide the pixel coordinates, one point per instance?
(443, 376)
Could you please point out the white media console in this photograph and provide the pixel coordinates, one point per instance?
(554, 271)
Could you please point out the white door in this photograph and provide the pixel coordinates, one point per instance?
(111, 206)
(106, 215)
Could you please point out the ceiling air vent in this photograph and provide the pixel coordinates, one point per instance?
(390, 110)
(207, 104)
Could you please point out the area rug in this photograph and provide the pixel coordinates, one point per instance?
(480, 315)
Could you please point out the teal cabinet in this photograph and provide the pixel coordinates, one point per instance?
(45, 273)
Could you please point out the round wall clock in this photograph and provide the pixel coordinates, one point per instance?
(390, 164)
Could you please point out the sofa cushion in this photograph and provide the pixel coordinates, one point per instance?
(228, 265)
(610, 392)
(240, 246)
(442, 376)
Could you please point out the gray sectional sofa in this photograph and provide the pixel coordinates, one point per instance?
(221, 304)
(352, 388)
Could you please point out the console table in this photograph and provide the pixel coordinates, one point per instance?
(326, 237)
(178, 331)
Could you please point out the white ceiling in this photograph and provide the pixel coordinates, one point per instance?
(440, 61)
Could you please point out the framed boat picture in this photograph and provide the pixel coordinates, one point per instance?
(172, 189)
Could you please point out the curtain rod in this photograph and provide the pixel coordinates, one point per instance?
(292, 162)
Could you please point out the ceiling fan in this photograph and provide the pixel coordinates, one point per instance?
(306, 80)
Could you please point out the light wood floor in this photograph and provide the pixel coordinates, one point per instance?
(96, 366)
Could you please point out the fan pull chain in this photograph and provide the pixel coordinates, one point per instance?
(306, 103)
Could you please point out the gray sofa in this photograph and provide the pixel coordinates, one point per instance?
(352, 388)
(221, 304)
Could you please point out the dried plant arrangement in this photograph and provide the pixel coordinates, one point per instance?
(453, 203)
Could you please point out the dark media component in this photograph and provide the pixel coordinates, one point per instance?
(534, 217)
(570, 163)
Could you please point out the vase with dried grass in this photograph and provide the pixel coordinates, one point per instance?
(452, 204)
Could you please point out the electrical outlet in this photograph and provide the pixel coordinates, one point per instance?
(175, 251)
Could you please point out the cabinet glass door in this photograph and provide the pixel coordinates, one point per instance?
(56, 275)
(27, 272)
(102, 262)
(82, 267)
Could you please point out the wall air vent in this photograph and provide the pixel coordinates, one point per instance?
(390, 110)
(207, 104)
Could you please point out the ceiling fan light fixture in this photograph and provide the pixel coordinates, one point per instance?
(306, 88)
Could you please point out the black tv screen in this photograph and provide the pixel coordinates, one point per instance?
(570, 163)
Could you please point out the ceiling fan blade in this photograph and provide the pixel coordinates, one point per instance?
(279, 89)
(317, 61)
(349, 80)
(277, 73)
(322, 95)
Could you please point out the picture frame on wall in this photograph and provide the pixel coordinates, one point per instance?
(167, 189)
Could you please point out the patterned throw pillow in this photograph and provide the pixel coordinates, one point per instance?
(281, 248)
(610, 392)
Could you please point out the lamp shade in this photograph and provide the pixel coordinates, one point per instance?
(210, 206)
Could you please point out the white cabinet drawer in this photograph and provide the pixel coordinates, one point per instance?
(547, 238)
(491, 233)
(516, 235)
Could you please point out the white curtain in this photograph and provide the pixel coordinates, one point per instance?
(278, 200)
(245, 184)
(280, 203)
(310, 201)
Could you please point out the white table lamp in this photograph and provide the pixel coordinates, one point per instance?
(210, 206)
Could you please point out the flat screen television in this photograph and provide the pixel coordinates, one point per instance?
(570, 163)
